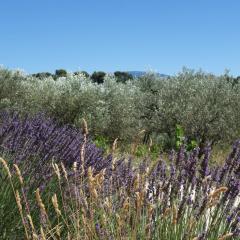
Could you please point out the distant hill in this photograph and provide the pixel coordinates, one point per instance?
(142, 73)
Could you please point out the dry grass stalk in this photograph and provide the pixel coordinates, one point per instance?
(5, 165)
(42, 234)
(56, 170)
(114, 146)
(139, 200)
(31, 223)
(18, 200)
(151, 208)
(55, 204)
(175, 214)
(64, 171)
(84, 127)
(85, 133)
(226, 236)
(40, 202)
(18, 172)
(19, 204)
(126, 204)
(136, 183)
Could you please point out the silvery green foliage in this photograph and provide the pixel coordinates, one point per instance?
(9, 87)
(109, 108)
(118, 103)
(206, 106)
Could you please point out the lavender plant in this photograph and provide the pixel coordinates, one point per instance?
(37, 141)
(183, 198)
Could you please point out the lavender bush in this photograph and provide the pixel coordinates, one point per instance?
(37, 141)
(181, 198)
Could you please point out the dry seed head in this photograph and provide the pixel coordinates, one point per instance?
(114, 146)
(35, 236)
(119, 221)
(55, 204)
(84, 127)
(151, 207)
(136, 182)
(139, 198)
(58, 231)
(18, 200)
(31, 222)
(84, 199)
(126, 204)
(90, 175)
(206, 178)
(40, 202)
(215, 193)
(84, 220)
(18, 172)
(166, 212)
(94, 193)
(56, 170)
(75, 167)
(212, 202)
(43, 236)
(90, 172)
(226, 236)
(175, 214)
(64, 171)
(100, 177)
(5, 165)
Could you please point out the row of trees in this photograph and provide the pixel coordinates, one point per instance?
(206, 106)
(97, 76)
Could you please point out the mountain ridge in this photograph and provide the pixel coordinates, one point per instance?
(142, 73)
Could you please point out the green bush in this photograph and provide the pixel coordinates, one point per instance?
(206, 106)
(60, 73)
(102, 142)
(122, 76)
(98, 77)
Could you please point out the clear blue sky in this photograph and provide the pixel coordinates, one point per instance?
(109, 35)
